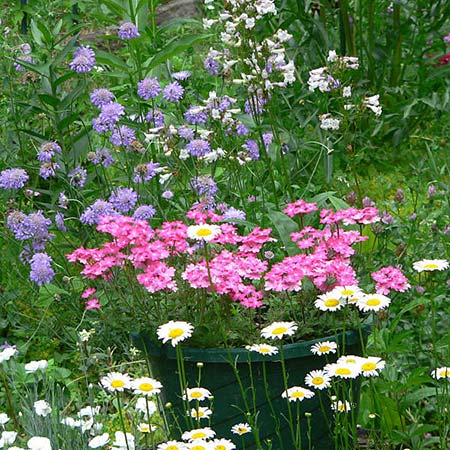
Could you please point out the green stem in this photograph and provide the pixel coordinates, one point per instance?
(122, 422)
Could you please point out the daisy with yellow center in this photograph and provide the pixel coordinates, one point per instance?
(241, 428)
(341, 406)
(278, 330)
(198, 394)
(318, 379)
(350, 359)
(116, 382)
(373, 302)
(297, 394)
(346, 291)
(263, 349)
(222, 444)
(202, 412)
(342, 370)
(199, 445)
(175, 332)
(146, 386)
(146, 428)
(430, 265)
(198, 433)
(330, 302)
(172, 445)
(371, 366)
(203, 232)
(441, 372)
(324, 348)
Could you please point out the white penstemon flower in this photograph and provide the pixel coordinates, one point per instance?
(42, 408)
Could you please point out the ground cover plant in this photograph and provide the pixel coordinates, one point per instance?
(263, 174)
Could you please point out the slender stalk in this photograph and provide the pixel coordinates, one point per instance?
(122, 422)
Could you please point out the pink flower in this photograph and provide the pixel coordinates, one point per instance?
(88, 292)
(299, 207)
(93, 303)
(390, 278)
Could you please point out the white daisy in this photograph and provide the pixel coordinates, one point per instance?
(324, 348)
(346, 291)
(198, 433)
(172, 445)
(373, 302)
(429, 265)
(342, 370)
(144, 405)
(371, 366)
(350, 359)
(341, 406)
(199, 444)
(318, 379)
(330, 302)
(202, 412)
(99, 441)
(441, 372)
(278, 330)
(175, 332)
(146, 386)
(146, 428)
(241, 428)
(297, 393)
(263, 349)
(116, 381)
(222, 444)
(203, 232)
(197, 393)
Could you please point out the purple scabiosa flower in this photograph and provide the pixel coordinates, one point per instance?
(35, 226)
(83, 59)
(101, 156)
(41, 269)
(167, 195)
(204, 185)
(128, 31)
(211, 66)
(63, 201)
(23, 58)
(77, 177)
(48, 170)
(186, 133)
(15, 222)
(148, 88)
(144, 212)
(47, 151)
(241, 129)
(101, 96)
(196, 115)
(123, 136)
(173, 92)
(156, 118)
(98, 209)
(59, 221)
(13, 178)
(255, 105)
(145, 172)
(182, 75)
(110, 114)
(198, 147)
(267, 139)
(123, 199)
(233, 214)
(252, 149)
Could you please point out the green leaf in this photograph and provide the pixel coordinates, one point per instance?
(49, 100)
(285, 226)
(416, 396)
(111, 60)
(47, 294)
(36, 33)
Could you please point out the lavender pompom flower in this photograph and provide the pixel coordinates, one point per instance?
(148, 88)
(15, 222)
(123, 199)
(83, 59)
(47, 151)
(98, 209)
(41, 269)
(145, 172)
(128, 31)
(186, 133)
(252, 149)
(78, 177)
(101, 96)
(204, 185)
(241, 129)
(101, 156)
(173, 92)
(123, 136)
(13, 178)
(110, 114)
(144, 212)
(167, 195)
(211, 66)
(48, 170)
(156, 118)
(198, 147)
(232, 214)
(196, 115)
(182, 75)
(59, 221)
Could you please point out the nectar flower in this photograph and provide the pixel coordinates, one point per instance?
(263, 349)
(429, 265)
(329, 302)
(341, 406)
(197, 393)
(323, 348)
(297, 393)
(222, 444)
(373, 302)
(198, 433)
(128, 31)
(318, 379)
(146, 386)
(342, 370)
(174, 332)
(203, 232)
(202, 412)
(172, 445)
(371, 365)
(241, 428)
(116, 381)
(278, 330)
(441, 372)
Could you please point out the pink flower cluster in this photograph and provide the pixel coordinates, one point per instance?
(299, 207)
(390, 278)
(350, 216)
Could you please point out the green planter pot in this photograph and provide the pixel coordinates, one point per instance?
(219, 377)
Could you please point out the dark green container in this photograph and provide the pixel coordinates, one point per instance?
(219, 377)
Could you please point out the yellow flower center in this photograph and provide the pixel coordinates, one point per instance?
(343, 371)
(241, 430)
(341, 407)
(116, 384)
(220, 447)
(347, 292)
(146, 387)
(264, 349)
(176, 332)
(331, 302)
(279, 330)
(145, 428)
(431, 266)
(373, 302)
(444, 373)
(297, 394)
(203, 232)
(324, 348)
(350, 361)
(196, 394)
(317, 381)
(198, 447)
(199, 435)
(367, 367)
(173, 447)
